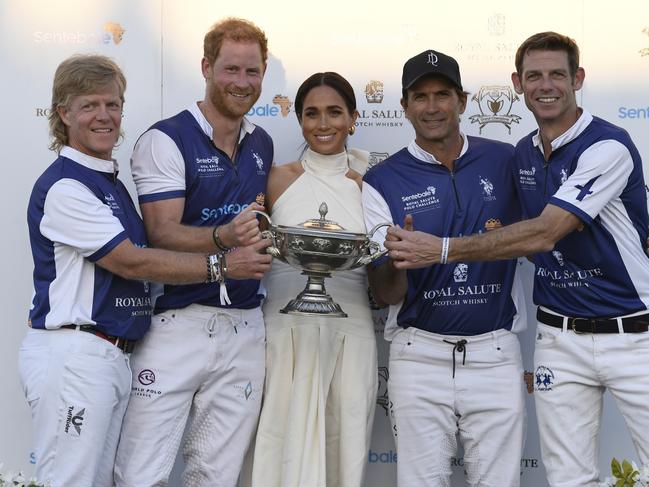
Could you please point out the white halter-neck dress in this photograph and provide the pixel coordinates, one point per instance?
(321, 380)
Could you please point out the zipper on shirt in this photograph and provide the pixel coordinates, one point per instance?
(457, 196)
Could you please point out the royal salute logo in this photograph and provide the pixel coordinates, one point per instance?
(492, 224)
(377, 157)
(496, 24)
(374, 91)
(559, 257)
(495, 104)
(390, 117)
(461, 272)
(260, 199)
(544, 379)
(644, 52)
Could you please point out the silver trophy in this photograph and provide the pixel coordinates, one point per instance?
(318, 247)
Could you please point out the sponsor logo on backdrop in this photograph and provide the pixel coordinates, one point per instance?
(496, 24)
(115, 30)
(489, 45)
(42, 111)
(74, 420)
(382, 398)
(374, 92)
(280, 106)
(633, 113)
(495, 104)
(111, 32)
(389, 456)
(457, 463)
(32, 458)
(645, 50)
(389, 117)
(376, 157)
(544, 378)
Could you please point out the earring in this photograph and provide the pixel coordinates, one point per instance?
(352, 129)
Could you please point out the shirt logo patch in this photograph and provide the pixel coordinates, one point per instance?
(526, 178)
(461, 272)
(544, 378)
(260, 163)
(559, 256)
(564, 175)
(111, 202)
(585, 189)
(422, 201)
(209, 167)
(487, 188)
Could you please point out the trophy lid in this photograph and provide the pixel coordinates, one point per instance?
(322, 223)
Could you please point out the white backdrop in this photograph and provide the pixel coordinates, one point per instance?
(158, 43)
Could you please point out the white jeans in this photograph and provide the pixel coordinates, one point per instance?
(572, 372)
(77, 386)
(200, 363)
(483, 403)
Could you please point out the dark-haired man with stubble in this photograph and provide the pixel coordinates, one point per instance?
(582, 189)
(199, 176)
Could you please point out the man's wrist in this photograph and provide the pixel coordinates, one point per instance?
(218, 241)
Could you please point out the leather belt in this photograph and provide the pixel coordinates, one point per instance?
(631, 324)
(125, 346)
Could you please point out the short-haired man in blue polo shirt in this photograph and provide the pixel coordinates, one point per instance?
(582, 190)
(198, 175)
(455, 362)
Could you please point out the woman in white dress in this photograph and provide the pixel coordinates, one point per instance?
(321, 380)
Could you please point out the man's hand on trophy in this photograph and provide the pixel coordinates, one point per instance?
(243, 230)
(250, 262)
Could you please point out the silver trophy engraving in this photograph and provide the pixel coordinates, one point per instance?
(319, 247)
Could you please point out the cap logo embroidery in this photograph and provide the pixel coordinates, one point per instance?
(432, 58)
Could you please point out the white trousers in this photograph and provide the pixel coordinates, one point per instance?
(199, 364)
(77, 386)
(572, 371)
(483, 403)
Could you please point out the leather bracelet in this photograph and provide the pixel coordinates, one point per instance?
(217, 240)
(223, 269)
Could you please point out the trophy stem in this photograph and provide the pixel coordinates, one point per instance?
(314, 300)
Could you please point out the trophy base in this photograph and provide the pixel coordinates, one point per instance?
(314, 300)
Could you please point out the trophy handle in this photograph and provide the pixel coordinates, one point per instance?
(270, 234)
(375, 251)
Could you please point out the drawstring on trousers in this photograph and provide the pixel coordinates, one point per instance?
(459, 346)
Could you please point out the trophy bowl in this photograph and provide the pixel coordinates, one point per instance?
(319, 247)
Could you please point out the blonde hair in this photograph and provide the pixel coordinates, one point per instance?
(81, 74)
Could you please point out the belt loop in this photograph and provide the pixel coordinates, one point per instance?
(412, 332)
(565, 323)
(620, 325)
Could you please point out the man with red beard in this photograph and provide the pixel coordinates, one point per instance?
(198, 175)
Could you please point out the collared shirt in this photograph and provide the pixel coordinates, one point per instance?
(176, 158)
(78, 213)
(594, 172)
(463, 298)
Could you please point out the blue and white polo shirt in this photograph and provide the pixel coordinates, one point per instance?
(79, 212)
(176, 158)
(594, 172)
(463, 298)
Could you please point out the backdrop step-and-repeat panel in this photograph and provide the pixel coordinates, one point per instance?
(158, 43)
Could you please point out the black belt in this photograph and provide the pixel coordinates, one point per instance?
(631, 324)
(125, 346)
